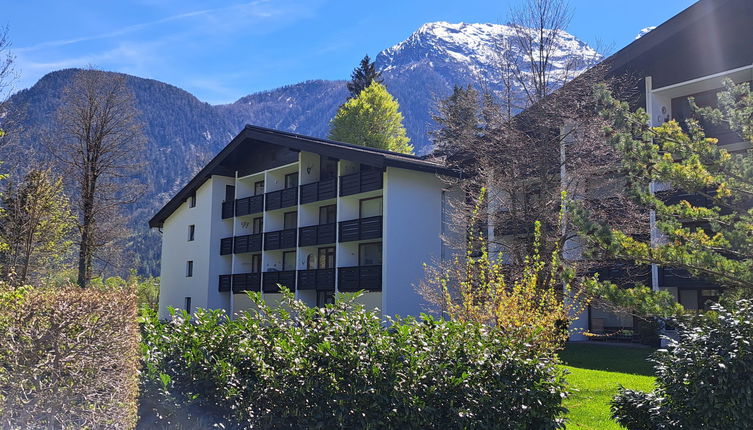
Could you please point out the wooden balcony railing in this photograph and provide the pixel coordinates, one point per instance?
(271, 281)
(246, 282)
(281, 199)
(358, 278)
(281, 239)
(249, 205)
(247, 243)
(226, 246)
(361, 182)
(316, 279)
(322, 190)
(361, 229)
(322, 234)
(226, 282)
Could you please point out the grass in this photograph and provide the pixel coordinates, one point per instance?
(595, 372)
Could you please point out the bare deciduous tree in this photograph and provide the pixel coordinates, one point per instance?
(99, 145)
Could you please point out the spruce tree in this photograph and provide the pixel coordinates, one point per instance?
(363, 76)
(458, 120)
(372, 119)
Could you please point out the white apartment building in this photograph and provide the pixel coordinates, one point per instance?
(317, 216)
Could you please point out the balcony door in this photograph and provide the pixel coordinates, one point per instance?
(291, 180)
(327, 214)
(256, 263)
(288, 260)
(258, 188)
(370, 207)
(326, 257)
(370, 254)
(327, 168)
(258, 225)
(229, 193)
(290, 220)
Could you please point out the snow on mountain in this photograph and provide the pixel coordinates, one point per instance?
(644, 31)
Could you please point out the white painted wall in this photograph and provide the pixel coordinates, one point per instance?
(203, 251)
(412, 229)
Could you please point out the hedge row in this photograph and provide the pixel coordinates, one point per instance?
(339, 367)
(69, 358)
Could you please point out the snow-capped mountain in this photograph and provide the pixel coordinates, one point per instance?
(439, 55)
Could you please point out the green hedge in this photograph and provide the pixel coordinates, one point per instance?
(339, 367)
(704, 379)
(68, 358)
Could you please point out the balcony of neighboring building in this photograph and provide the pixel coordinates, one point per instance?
(365, 180)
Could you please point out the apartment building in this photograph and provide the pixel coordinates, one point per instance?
(316, 216)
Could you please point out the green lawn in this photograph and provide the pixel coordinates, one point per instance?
(595, 372)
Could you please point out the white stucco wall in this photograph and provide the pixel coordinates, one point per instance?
(411, 236)
(203, 251)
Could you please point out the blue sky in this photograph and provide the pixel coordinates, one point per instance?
(223, 50)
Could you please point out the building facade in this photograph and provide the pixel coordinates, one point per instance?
(316, 216)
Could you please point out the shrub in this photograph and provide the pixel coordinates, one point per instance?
(339, 367)
(69, 358)
(704, 378)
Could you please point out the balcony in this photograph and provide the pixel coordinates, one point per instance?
(316, 279)
(272, 280)
(281, 199)
(322, 190)
(360, 182)
(247, 243)
(322, 234)
(361, 229)
(358, 278)
(249, 205)
(246, 282)
(226, 246)
(227, 209)
(281, 239)
(226, 281)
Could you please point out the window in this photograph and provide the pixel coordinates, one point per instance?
(191, 232)
(229, 193)
(327, 168)
(370, 254)
(256, 263)
(258, 188)
(187, 304)
(327, 257)
(288, 260)
(290, 220)
(189, 269)
(291, 180)
(327, 214)
(325, 298)
(370, 207)
(258, 225)
(192, 200)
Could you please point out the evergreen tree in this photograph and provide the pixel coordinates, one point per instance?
(35, 227)
(372, 119)
(363, 76)
(458, 119)
(709, 235)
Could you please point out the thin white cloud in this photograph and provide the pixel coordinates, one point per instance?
(137, 27)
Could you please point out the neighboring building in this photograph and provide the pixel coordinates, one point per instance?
(688, 55)
(316, 216)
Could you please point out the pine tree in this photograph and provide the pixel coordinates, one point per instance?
(458, 119)
(372, 119)
(363, 76)
(709, 236)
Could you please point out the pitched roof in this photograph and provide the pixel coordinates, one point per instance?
(297, 142)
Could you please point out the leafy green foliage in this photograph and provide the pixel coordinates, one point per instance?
(710, 238)
(372, 119)
(704, 378)
(36, 225)
(338, 367)
(69, 358)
